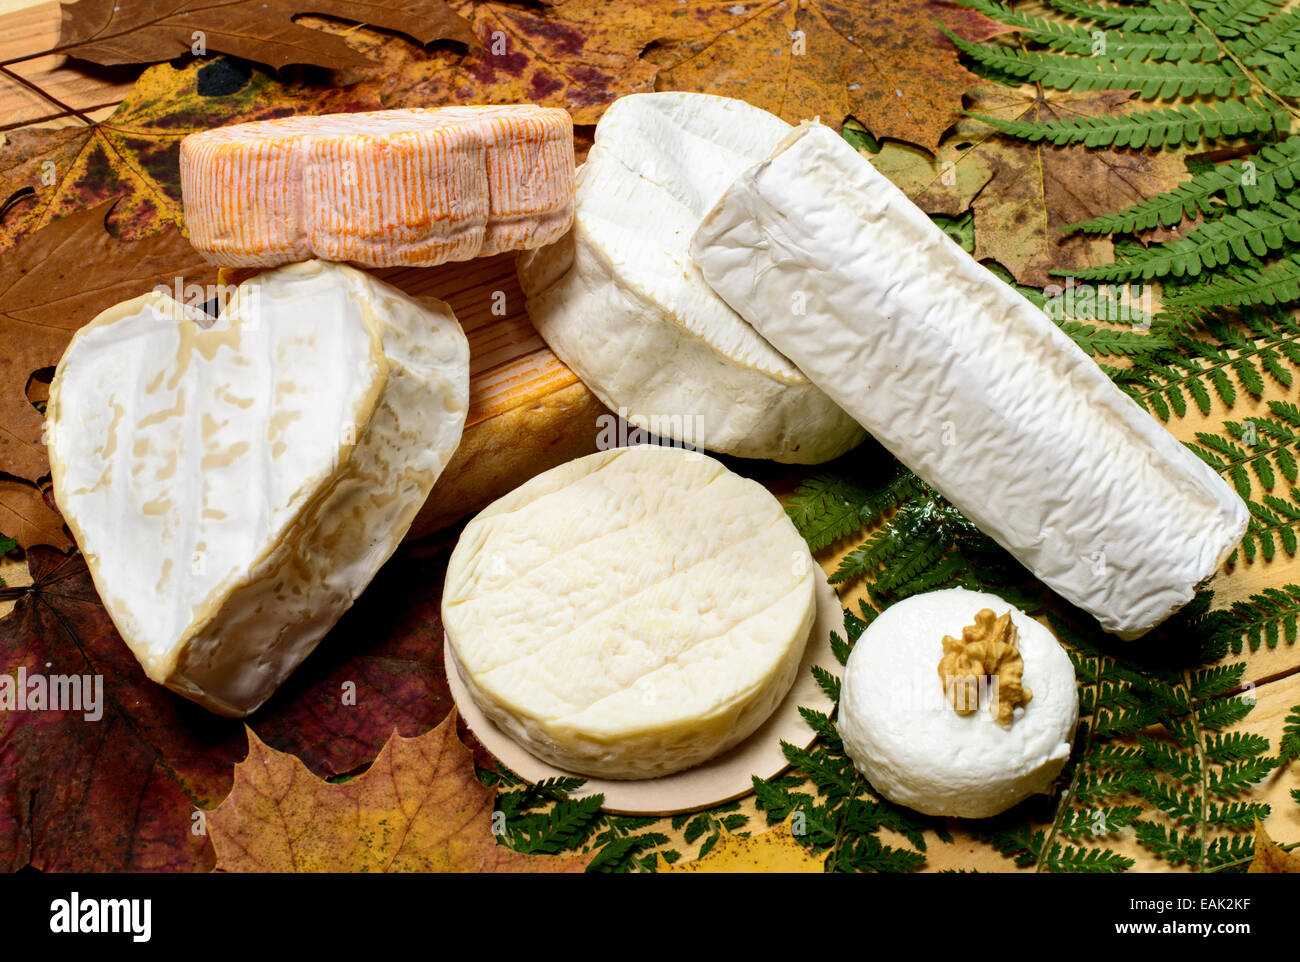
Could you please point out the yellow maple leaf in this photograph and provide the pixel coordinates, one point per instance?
(1271, 858)
(773, 851)
(418, 808)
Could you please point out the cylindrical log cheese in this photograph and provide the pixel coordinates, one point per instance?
(967, 383)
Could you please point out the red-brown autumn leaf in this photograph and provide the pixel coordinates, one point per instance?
(134, 153)
(581, 55)
(887, 64)
(50, 286)
(122, 793)
(113, 32)
(419, 808)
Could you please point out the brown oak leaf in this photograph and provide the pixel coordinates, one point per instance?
(50, 286)
(419, 808)
(123, 792)
(1022, 194)
(887, 64)
(149, 31)
(581, 55)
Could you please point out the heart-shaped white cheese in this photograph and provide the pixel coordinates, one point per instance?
(235, 484)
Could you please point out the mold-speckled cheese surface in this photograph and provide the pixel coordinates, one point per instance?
(416, 186)
(913, 746)
(234, 487)
(631, 613)
(621, 303)
(967, 383)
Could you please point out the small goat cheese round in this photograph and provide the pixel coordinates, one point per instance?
(902, 731)
(631, 613)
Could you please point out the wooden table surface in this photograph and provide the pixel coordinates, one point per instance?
(28, 28)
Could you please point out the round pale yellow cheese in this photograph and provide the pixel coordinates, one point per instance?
(631, 613)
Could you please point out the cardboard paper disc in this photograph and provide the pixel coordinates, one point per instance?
(716, 781)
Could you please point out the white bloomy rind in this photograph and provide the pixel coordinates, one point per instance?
(621, 303)
(913, 746)
(234, 485)
(631, 613)
(967, 383)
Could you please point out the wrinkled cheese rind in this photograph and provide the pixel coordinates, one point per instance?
(234, 488)
(915, 750)
(967, 383)
(416, 186)
(621, 303)
(631, 613)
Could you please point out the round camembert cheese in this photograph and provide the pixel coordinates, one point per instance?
(620, 301)
(631, 613)
(917, 750)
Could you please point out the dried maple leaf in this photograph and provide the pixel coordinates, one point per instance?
(776, 850)
(57, 281)
(123, 793)
(134, 153)
(148, 31)
(1022, 194)
(1271, 858)
(27, 511)
(418, 808)
(582, 55)
(887, 64)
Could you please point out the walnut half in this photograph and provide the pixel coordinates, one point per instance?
(985, 667)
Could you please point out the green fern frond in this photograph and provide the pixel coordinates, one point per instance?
(1168, 843)
(1244, 235)
(1240, 776)
(1289, 747)
(1264, 619)
(1235, 746)
(1163, 127)
(1109, 342)
(1229, 849)
(1236, 815)
(1074, 38)
(1163, 16)
(1279, 35)
(1151, 79)
(1069, 858)
(1080, 823)
(1275, 168)
(1275, 282)
(1223, 712)
(1228, 18)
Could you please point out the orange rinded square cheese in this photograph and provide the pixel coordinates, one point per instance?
(417, 186)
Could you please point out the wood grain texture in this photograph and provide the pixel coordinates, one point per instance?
(27, 30)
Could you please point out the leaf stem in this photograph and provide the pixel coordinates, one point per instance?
(19, 78)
